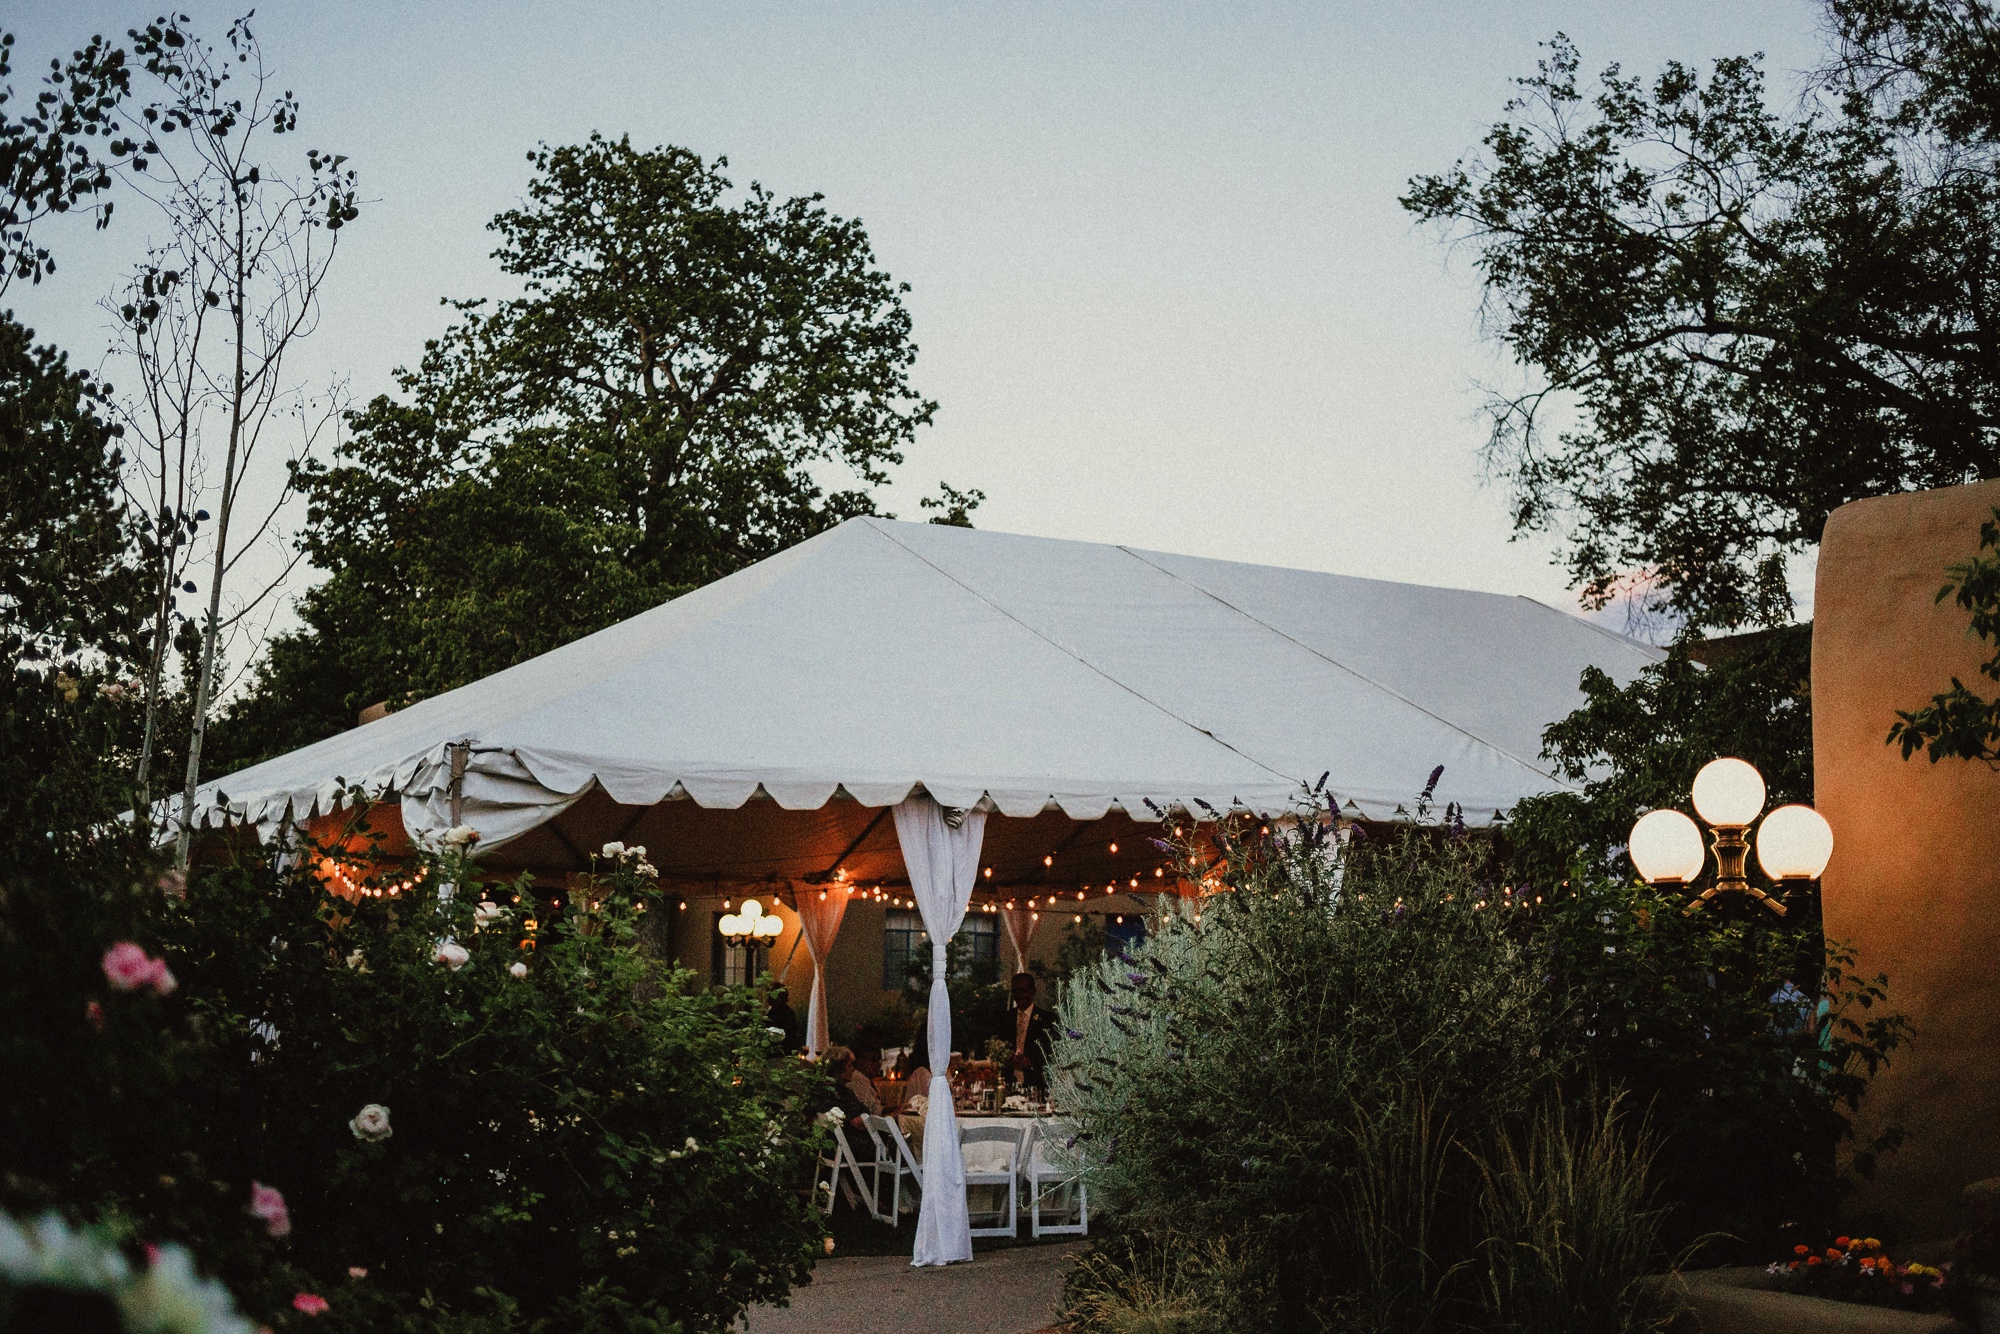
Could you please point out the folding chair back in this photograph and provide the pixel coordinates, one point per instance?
(995, 1169)
(893, 1162)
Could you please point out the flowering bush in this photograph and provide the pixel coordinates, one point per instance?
(1857, 1269)
(579, 1135)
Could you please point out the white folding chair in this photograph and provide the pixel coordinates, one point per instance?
(1044, 1178)
(993, 1171)
(830, 1165)
(893, 1162)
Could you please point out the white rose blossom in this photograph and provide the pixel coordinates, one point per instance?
(452, 954)
(614, 849)
(518, 970)
(461, 834)
(371, 1123)
(487, 913)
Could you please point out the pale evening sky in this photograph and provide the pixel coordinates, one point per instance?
(1163, 290)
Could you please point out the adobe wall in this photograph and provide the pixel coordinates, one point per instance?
(1914, 883)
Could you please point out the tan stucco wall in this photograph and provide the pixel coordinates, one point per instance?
(1914, 883)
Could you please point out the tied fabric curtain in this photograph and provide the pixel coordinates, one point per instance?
(941, 853)
(820, 912)
(1020, 926)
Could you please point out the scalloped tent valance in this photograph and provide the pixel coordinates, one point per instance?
(1020, 673)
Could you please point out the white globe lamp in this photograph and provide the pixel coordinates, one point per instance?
(1794, 843)
(1666, 846)
(1728, 793)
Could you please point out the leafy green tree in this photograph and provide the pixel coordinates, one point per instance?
(1734, 319)
(70, 594)
(1629, 750)
(1959, 723)
(48, 162)
(659, 408)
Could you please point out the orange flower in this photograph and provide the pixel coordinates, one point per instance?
(1843, 1242)
(1832, 1254)
(1812, 1260)
(1801, 1250)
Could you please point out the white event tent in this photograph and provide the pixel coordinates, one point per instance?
(991, 689)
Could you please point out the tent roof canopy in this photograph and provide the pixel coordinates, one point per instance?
(1025, 672)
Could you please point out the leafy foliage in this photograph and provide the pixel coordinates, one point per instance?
(1749, 1041)
(1958, 723)
(656, 411)
(593, 1145)
(1737, 320)
(1363, 1062)
(67, 579)
(1231, 1074)
(1637, 748)
(47, 162)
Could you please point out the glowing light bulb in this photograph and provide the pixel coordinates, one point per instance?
(1666, 845)
(1794, 843)
(1728, 792)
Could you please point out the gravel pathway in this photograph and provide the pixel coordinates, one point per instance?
(1010, 1291)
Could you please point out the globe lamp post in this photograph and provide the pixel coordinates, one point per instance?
(750, 928)
(1794, 843)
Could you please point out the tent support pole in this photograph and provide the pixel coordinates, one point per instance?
(460, 753)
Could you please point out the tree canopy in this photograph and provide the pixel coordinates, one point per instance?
(693, 379)
(1735, 319)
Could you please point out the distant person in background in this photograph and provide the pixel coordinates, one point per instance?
(1031, 1032)
(779, 1014)
(861, 1082)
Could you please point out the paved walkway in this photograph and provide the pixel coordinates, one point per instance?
(1009, 1291)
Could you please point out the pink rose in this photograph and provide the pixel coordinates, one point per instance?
(310, 1303)
(267, 1203)
(356, 1271)
(452, 955)
(127, 968)
(93, 1014)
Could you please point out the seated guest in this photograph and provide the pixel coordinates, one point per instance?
(860, 1084)
(840, 1065)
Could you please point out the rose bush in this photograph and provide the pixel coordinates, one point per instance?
(582, 1138)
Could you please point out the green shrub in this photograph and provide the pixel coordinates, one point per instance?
(1228, 1080)
(1342, 1063)
(593, 1145)
(1746, 1039)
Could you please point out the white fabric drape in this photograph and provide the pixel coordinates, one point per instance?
(1020, 925)
(819, 922)
(942, 857)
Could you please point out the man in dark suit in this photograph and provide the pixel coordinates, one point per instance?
(1031, 1033)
